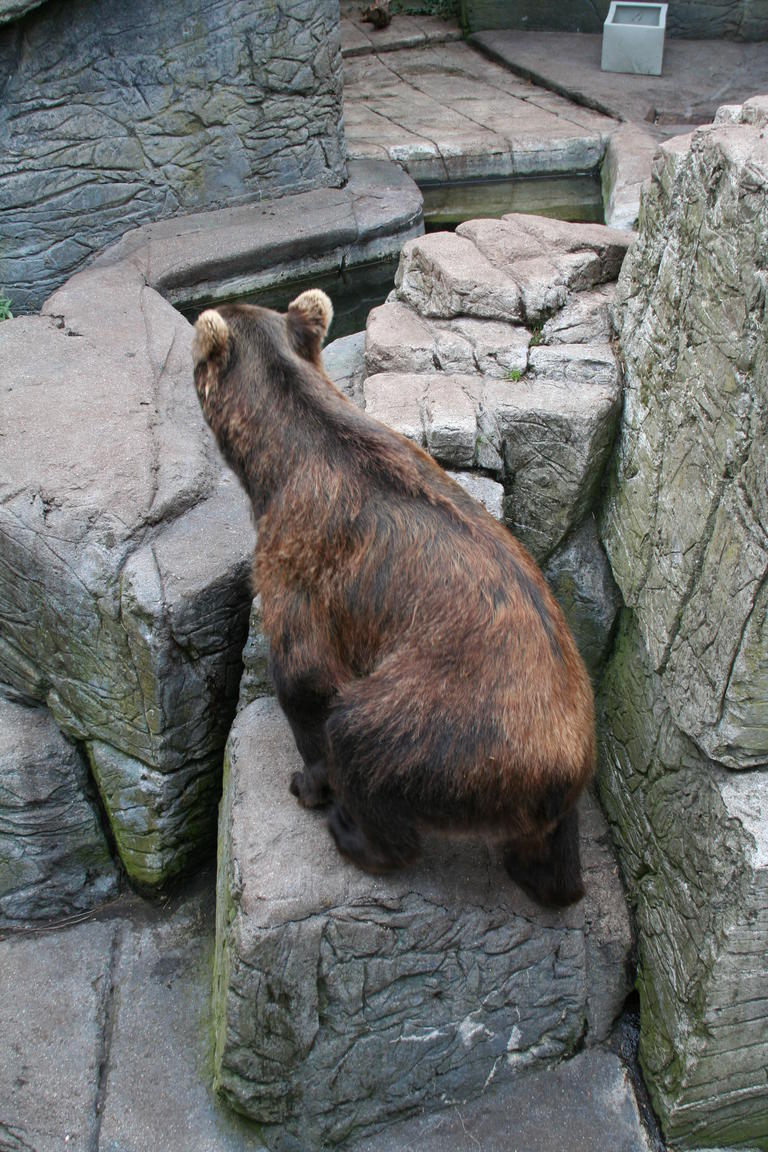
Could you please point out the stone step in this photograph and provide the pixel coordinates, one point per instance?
(518, 268)
(343, 1001)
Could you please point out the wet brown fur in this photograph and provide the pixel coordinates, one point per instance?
(426, 670)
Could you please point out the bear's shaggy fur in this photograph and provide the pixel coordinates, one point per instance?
(427, 672)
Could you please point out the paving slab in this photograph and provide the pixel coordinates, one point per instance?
(54, 992)
(446, 112)
(698, 75)
(584, 1105)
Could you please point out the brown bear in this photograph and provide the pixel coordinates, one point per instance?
(425, 668)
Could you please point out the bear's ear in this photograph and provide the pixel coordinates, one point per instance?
(211, 338)
(309, 318)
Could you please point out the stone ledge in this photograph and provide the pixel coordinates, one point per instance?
(343, 1000)
(216, 255)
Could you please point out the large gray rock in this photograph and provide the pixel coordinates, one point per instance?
(563, 1109)
(131, 613)
(342, 1000)
(54, 859)
(115, 115)
(686, 691)
(549, 439)
(693, 844)
(685, 523)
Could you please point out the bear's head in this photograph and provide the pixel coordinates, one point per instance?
(236, 344)
(247, 360)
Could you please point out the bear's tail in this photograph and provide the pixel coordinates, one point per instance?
(211, 337)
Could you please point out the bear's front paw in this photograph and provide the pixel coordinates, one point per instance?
(309, 792)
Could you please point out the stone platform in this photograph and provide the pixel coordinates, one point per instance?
(343, 1001)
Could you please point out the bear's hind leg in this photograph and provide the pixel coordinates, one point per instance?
(549, 868)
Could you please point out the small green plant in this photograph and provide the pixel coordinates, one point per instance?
(5, 307)
(514, 375)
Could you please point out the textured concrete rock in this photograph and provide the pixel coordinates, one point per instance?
(55, 992)
(694, 851)
(343, 1000)
(212, 256)
(344, 362)
(517, 268)
(163, 122)
(550, 439)
(563, 1109)
(580, 577)
(397, 339)
(446, 113)
(111, 503)
(684, 526)
(157, 1094)
(625, 173)
(54, 858)
(106, 1034)
(686, 691)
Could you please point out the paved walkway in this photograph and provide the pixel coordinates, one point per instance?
(698, 76)
(444, 111)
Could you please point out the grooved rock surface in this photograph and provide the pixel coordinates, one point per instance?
(693, 844)
(342, 1000)
(686, 692)
(116, 115)
(54, 858)
(111, 502)
(685, 525)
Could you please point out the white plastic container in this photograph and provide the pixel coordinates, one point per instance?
(633, 38)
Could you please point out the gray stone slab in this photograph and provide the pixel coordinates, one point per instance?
(446, 113)
(579, 1106)
(343, 1000)
(163, 123)
(699, 75)
(157, 1094)
(54, 992)
(54, 858)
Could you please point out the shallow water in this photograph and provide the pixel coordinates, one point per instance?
(356, 290)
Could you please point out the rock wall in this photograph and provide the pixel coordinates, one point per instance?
(118, 114)
(685, 698)
(697, 19)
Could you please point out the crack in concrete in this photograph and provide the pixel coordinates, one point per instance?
(107, 1014)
